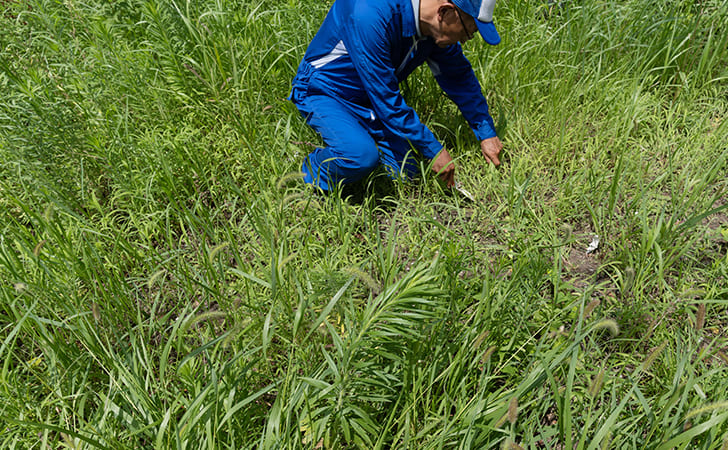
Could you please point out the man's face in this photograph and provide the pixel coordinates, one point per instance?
(455, 26)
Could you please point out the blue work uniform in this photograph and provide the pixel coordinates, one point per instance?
(347, 88)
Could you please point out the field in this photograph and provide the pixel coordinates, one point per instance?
(167, 281)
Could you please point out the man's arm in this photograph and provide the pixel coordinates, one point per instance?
(455, 76)
(369, 36)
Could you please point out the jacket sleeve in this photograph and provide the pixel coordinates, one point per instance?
(454, 74)
(368, 38)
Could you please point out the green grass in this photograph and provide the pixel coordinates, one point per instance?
(167, 282)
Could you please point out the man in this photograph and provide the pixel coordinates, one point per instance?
(347, 86)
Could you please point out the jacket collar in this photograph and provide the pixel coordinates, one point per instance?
(416, 20)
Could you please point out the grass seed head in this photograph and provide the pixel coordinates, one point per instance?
(653, 356)
(216, 250)
(708, 408)
(700, 317)
(290, 198)
(609, 325)
(597, 383)
(210, 315)
(38, 246)
(566, 232)
(486, 356)
(288, 178)
(286, 260)
(590, 307)
(722, 356)
(513, 410)
(364, 277)
(629, 275)
(510, 445)
(481, 337)
(49, 212)
(155, 276)
(95, 311)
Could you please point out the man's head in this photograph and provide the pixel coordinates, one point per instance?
(482, 12)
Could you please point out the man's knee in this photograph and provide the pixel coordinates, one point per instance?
(368, 158)
(354, 158)
(332, 166)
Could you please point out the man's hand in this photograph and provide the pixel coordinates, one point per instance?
(444, 167)
(491, 148)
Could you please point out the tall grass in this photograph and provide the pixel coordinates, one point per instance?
(167, 282)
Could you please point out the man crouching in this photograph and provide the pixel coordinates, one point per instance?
(347, 86)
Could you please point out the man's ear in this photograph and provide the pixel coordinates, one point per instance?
(444, 9)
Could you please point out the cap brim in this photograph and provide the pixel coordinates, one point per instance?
(488, 31)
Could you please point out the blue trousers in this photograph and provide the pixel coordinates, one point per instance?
(356, 144)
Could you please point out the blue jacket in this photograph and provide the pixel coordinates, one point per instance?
(365, 48)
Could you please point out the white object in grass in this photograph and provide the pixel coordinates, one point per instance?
(459, 187)
(594, 244)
